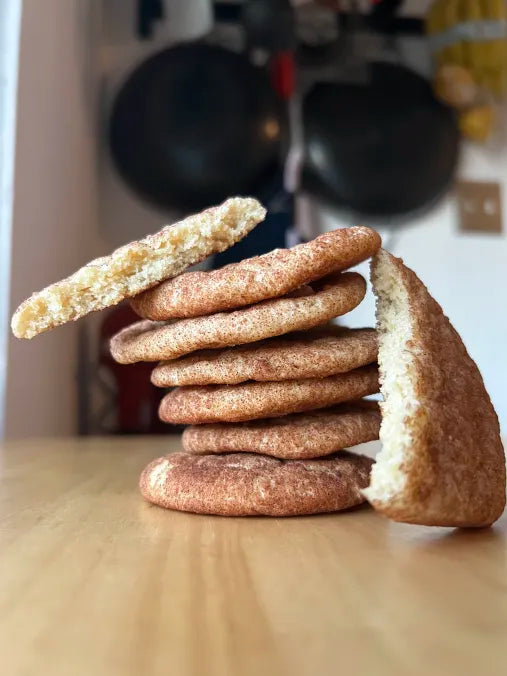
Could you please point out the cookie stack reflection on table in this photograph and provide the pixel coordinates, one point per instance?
(272, 392)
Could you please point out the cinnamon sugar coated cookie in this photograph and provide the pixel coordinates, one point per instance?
(153, 341)
(302, 435)
(250, 485)
(315, 353)
(250, 281)
(250, 401)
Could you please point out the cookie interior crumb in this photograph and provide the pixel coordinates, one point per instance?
(397, 382)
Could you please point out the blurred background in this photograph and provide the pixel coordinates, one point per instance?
(118, 116)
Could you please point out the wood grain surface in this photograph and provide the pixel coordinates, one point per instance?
(93, 580)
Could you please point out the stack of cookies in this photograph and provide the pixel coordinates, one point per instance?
(271, 390)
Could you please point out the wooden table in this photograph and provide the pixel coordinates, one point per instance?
(95, 581)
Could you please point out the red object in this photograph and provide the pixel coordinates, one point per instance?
(282, 69)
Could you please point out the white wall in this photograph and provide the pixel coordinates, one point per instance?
(54, 216)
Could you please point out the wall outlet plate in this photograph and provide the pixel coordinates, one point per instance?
(479, 207)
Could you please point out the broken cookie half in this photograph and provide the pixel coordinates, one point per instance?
(442, 461)
(137, 266)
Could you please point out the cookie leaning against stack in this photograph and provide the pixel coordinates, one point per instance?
(245, 343)
(442, 461)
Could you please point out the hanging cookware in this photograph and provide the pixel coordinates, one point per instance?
(195, 124)
(383, 148)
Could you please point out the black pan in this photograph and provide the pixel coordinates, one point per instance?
(195, 124)
(382, 149)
